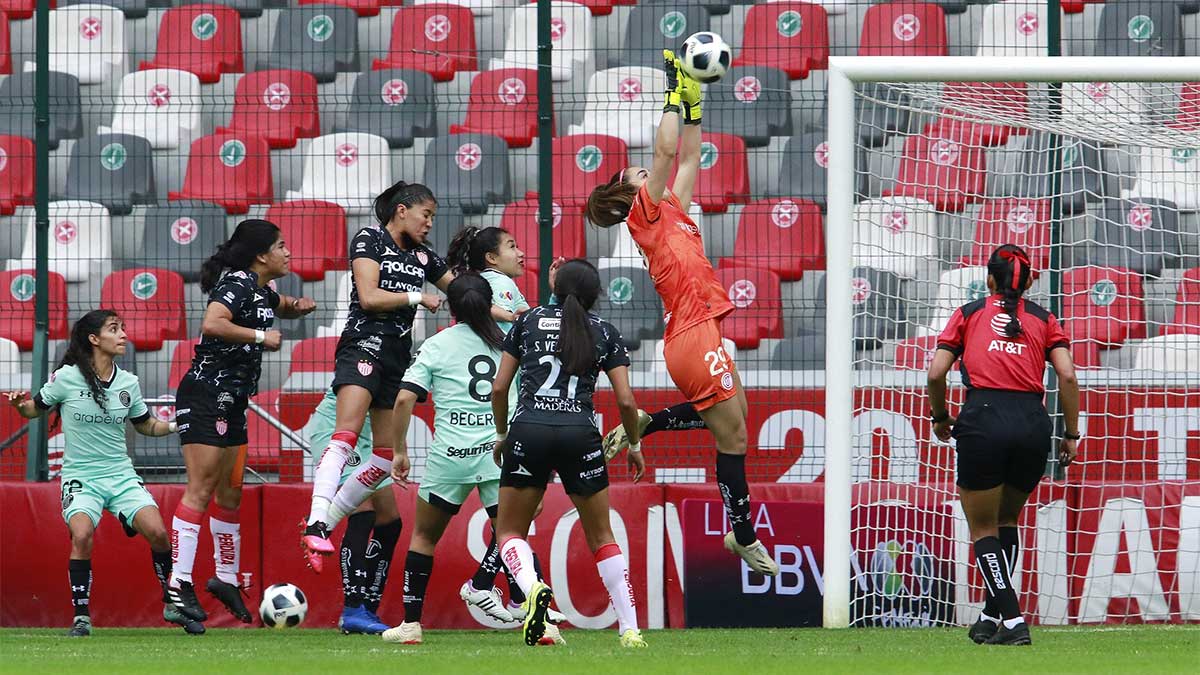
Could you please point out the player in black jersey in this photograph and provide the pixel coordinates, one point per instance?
(560, 351)
(212, 399)
(391, 264)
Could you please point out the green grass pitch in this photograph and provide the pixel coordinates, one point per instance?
(1093, 650)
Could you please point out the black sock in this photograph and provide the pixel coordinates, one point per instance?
(679, 417)
(1011, 541)
(731, 479)
(80, 573)
(537, 568)
(489, 567)
(162, 569)
(355, 574)
(989, 558)
(417, 568)
(515, 594)
(385, 539)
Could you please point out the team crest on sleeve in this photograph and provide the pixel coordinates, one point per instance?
(727, 381)
(365, 368)
(222, 426)
(422, 258)
(125, 398)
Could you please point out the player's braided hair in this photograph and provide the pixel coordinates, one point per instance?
(469, 248)
(252, 238)
(609, 203)
(470, 297)
(1009, 268)
(577, 285)
(79, 350)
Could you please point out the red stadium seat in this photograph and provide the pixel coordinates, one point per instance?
(1188, 117)
(5, 47)
(279, 105)
(227, 169)
(181, 362)
(790, 36)
(1103, 305)
(202, 39)
(904, 29)
(314, 355)
(16, 173)
(1009, 220)
(16, 306)
(916, 353)
(1187, 306)
(503, 103)
(19, 10)
(263, 439)
(583, 161)
(528, 285)
(151, 303)
(520, 219)
(599, 7)
(1077, 6)
(758, 304)
(438, 39)
(782, 235)
(360, 7)
(1006, 99)
(315, 231)
(942, 171)
(724, 176)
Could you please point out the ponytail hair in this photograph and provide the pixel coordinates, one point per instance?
(1009, 268)
(79, 350)
(252, 238)
(609, 203)
(577, 285)
(469, 248)
(470, 297)
(400, 194)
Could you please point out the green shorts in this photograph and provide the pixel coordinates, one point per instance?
(449, 497)
(122, 495)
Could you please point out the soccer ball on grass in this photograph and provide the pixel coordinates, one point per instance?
(283, 606)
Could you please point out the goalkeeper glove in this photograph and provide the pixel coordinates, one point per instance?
(691, 97)
(673, 93)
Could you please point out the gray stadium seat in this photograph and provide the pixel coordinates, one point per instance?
(397, 104)
(448, 221)
(116, 170)
(17, 118)
(877, 121)
(292, 329)
(752, 102)
(245, 8)
(1141, 235)
(133, 9)
(654, 27)
(180, 236)
(629, 302)
(469, 171)
(1082, 179)
(803, 352)
(301, 42)
(802, 172)
(880, 310)
(1140, 28)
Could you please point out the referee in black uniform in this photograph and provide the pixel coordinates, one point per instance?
(1003, 432)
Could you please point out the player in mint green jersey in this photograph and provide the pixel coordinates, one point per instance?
(95, 399)
(494, 254)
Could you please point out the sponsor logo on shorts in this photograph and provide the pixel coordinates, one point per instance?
(727, 381)
(470, 452)
(221, 426)
(593, 455)
(365, 368)
(593, 473)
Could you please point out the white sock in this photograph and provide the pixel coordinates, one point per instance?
(185, 536)
(615, 573)
(985, 617)
(1013, 623)
(517, 555)
(358, 489)
(227, 548)
(329, 472)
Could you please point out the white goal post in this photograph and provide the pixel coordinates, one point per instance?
(846, 77)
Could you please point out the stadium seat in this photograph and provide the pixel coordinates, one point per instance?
(315, 232)
(894, 234)
(880, 306)
(17, 114)
(233, 170)
(87, 41)
(904, 29)
(1082, 175)
(278, 105)
(1012, 220)
(313, 355)
(1188, 116)
(1187, 306)
(955, 289)
(800, 352)
(791, 36)
(655, 26)
(1171, 174)
(1077, 6)
(202, 39)
(1103, 305)
(1169, 354)
(348, 169)
(802, 174)
(468, 171)
(319, 39)
(1138, 234)
(264, 441)
(180, 236)
(181, 362)
(477, 7)
(881, 111)
(80, 241)
(362, 8)
(783, 235)
(292, 286)
(503, 103)
(520, 219)
(5, 46)
(583, 161)
(724, 176)
(1101, 104)
(945, 172)
(247, 9)
(628, 301)
(150, 302)
(16, 173)
(916, 353)
(623, 102)
(1014, 28)
(115, 170)
(162, 106)
(436, 38)
(17, 291)
(758, 305)
(992, 100)
(19, 10)
(396, 104)
(571, 37)
(1139, 28)
(756, 105)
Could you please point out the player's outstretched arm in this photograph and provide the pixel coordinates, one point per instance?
(692, 101)
(23, 402)
(666, 140)
(402, 412)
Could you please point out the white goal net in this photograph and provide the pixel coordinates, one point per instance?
(1092, 166)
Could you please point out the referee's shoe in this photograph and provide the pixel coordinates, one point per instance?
(1017, 635)
(982, 630)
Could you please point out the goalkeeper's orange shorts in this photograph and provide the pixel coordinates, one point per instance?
(699, 366)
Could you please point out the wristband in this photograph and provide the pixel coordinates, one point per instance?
(260, 336)
(500, 437)
(1071, 437)
(414, 298)
(172, 427)
(938, 419)
(635, 447)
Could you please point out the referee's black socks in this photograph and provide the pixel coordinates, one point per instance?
(990, 559)
(1011, 541)
(731, 479)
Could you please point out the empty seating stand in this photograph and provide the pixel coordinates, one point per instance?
(233, 170)
(17, 295)
(202, 39)
(16, 173)
(791, 36)
(150, 302)
(396, 104)
(468, 171)
(437, 38)
(782, 235)
(316, 235)
(278, 105)
(115, 170)
(161, 105)
(318, 39)
(503, 103)
(180, 236)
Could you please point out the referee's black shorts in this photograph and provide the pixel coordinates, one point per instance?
(1003, 438)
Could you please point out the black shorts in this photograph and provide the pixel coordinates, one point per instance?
(375, 363)
(1003, 438)
(575, 452)
(209, 416)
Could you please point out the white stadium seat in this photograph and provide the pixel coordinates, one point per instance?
(1169, 353)
(623, 102)
(1014, 28)
(162, 106)
(80, 241)
(348, 169)
(571, 33)
(1172, 174)
(894, 234)
(955, 289)
(87, 41)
